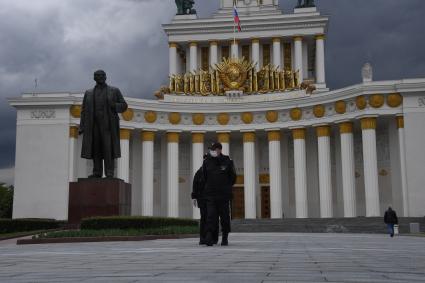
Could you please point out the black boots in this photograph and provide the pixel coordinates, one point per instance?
(224, 240)
(209, 239)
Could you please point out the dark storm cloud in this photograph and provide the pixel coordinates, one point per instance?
(63, 42)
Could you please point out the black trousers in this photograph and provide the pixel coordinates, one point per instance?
(102, 150)
(218, 208)
(202, 204)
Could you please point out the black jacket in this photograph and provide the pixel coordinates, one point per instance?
(198, 185)
(220, 176)
(390, 217)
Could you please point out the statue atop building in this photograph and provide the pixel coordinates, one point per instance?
(305, 4)
(185, 7)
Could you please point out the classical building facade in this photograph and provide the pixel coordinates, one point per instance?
(300, 150)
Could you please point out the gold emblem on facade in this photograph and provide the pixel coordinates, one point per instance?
(233, 73)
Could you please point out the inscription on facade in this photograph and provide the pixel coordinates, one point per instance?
(43, 114)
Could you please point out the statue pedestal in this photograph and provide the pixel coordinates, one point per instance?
(98, 197)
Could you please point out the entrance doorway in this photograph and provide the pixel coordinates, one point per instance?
(238, 203)
(265, 202)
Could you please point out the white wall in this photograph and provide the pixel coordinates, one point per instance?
(41, 165)
(414, 121)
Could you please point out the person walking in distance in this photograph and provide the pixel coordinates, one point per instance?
(390, 218)
(199, 200)
(220, 176)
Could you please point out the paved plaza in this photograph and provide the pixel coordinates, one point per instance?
(274, 257)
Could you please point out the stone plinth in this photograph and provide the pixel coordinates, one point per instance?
(98, 197)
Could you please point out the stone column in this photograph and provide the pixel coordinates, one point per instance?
(298, 56)
(320, 59)
(73, 138)
(224, 139)
(173, 58)
(193, 57)
(255, 56)
(325, 179)
(276, 210)
(370, 165)
(234, 49)
(123, 166)
(402, 145)
(300, 168)
(277, 58)
(197, 160)
(347, 164)
(173, 174)
(213, 53)
(249, 175)
(147, 172)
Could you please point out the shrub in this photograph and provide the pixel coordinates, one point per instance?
(23, 225)
(6, 201)
(133, 222)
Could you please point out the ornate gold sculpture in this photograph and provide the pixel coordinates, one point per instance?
(233, 72)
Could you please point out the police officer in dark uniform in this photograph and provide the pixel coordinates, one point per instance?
(200, 201)
(220, 176)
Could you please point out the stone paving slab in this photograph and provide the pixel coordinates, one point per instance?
(259, 257)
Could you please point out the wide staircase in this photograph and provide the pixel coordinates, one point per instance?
(330, 225)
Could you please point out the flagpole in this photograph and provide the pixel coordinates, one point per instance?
(234, 29)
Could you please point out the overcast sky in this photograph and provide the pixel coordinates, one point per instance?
(61, 42)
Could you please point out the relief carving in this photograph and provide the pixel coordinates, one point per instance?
(43, 114)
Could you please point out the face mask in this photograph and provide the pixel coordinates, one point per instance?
(213, 153)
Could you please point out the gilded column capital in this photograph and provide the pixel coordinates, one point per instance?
(376, 100)
(198, 118)
(213, 42)
(276, 39)
(75, 111)
(193, 44)
(198, 137)
(394, 100)
(223, 137)
(368, 123)
(174, 118)
(150, 116)
(128, 115)
(73, 132)
(173, 137)
(400, 122)
(272, 116)
(125, 134)
(298, 38)
(255, 40)
(320, 37)
(361, 102)
(148, 136)
(249, 137)
(346, 128)
(223, 118)
(319, 111)
(298, 134)
(296, 114)
(340, 107)
(273, 136)
(323, 131)
(247, 117)
(172, 45)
